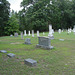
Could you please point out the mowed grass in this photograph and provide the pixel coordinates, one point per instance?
(58, 61)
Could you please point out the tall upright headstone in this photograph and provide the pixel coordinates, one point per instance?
(37, 33)
(28, 33)
(25, 33)
(43, 33)
(32, 33)
(22, 35)
(68, 31)
(59, 31)
(50, 32)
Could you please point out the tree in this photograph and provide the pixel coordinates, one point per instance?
(38, 14)
(12, 24)
(4, 15)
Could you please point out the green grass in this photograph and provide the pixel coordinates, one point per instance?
(58, 61)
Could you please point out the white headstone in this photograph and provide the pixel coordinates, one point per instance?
(59, 31)
(43, 33)
(62, 30)
(32, 33)
(11, 35)
(69, 31)
(37, 33)
(50, 31)
(28, 33)
(25, 33)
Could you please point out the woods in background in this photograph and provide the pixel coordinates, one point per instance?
(37, 15)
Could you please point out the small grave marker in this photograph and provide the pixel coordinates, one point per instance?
(61, 39)
(11, 55)
(28, 41)
(16, 34)
(3, 51)
(30, 62)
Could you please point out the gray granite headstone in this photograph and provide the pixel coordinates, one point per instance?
(30, 62)
(28, 41)
(22, 35)
(11, 55)
(3, 51)
(16, 34)
(44, 42)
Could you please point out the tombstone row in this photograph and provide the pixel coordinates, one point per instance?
(29, 62)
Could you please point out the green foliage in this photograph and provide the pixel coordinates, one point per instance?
(4, 15)
(13, 25)
(41, 13)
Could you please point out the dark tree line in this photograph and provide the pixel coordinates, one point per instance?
(4, 15)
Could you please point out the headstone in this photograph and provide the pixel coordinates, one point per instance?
(28, 33)
(44, 42)
(37, 33)
(3, 51)
(11, 35)
(11, 55)
(22, 35)
(32, 33)
(16, 34)
(68, 31)
(30, 62)
(61, 39)
(50, 35)
(52, 30)
(59, 31)
(25, 33)
(43, 33)
(27, 41)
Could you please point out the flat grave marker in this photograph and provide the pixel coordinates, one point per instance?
(30, 62)
(11, 55)
(61, 39)
(3, 51)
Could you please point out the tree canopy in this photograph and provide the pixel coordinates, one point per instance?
(38, 14)
(4, 15)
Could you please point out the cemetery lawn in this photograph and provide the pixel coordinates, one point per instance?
(58, 61)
